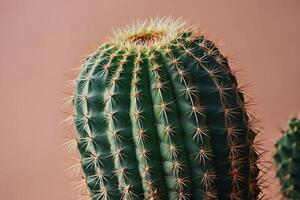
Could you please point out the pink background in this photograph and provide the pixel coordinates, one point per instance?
(41, 41)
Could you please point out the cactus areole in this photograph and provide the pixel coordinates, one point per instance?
(287, 159)
(159, 116)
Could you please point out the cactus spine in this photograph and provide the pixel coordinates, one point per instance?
(287, 159)
(159, 115)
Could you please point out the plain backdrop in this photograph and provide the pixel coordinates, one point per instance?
(42, 40)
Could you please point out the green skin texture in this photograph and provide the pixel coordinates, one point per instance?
(167, 124)
(287, 159)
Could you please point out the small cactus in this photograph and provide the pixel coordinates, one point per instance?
(159, 115)
(287, 159)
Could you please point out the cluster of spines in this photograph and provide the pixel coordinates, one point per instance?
(144, 131)
(93, 144)
(194, 128)
(195, 138)
(287, 159)
(230, 106)
(120, 130)
(169, 130)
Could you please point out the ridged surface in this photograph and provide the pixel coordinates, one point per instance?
(287, 160)
(166, 123)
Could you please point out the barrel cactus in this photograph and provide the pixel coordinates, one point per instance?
(159, 115)
(287, 159)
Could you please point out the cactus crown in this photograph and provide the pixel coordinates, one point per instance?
(152, 34)
(287, 159)
(159, 115)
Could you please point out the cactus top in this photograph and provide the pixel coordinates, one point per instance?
(152, 34)
(159, 115)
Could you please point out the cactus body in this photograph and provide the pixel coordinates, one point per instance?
(287, 159)
(159, 116)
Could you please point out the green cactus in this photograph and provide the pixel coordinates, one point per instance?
(287, 159)
(159, 115)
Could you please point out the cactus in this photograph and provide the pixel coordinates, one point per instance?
(159, 115)
(287, 159)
